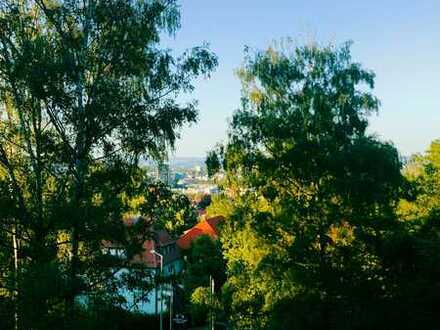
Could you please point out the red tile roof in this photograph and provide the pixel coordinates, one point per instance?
(205, 227)
(160, 239)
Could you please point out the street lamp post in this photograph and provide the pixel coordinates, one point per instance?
(161, 293)
(171, 306)
(211, 312)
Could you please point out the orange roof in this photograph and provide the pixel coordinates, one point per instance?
(206, 227)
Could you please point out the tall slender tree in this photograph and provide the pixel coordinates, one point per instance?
(313, 193)
(85, 91)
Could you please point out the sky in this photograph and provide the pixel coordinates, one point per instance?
(398, 39)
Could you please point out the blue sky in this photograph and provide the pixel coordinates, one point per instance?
(399, 40)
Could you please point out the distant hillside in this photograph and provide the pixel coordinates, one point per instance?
(180, 162)
(187, 162)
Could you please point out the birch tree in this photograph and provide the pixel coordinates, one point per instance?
(85, 91)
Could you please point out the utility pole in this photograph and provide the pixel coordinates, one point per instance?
(161, 291)
(15, 247)
(171, 306)
(212, 316)
(15, 241)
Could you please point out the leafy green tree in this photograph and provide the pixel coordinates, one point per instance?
(313, 193)
(220, 205)
(423, 174)
(155, 201)
(167, 210)
(203, 261)
(411, 253)
(86, 90)
(204, 201)
(213, 164)
(203, 303)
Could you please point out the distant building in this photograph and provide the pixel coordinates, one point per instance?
(164, 173)
(178, 176)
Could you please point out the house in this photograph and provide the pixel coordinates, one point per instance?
(206, 227)
(149, 302)
(159, 243)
